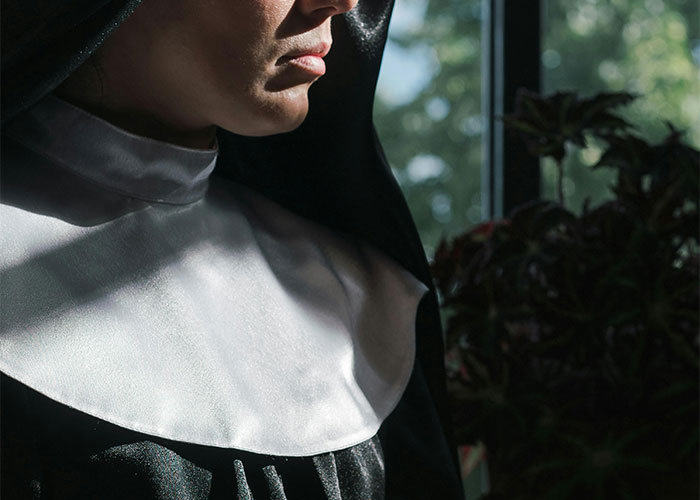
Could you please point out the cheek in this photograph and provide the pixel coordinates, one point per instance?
(234, 55)
(239, 99)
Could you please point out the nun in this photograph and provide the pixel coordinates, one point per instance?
(211, 286)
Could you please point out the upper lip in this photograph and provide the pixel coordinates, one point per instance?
(320, 49)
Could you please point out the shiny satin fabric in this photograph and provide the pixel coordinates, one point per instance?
(226, 321)
(331, 170)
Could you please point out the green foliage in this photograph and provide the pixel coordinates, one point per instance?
(588, 45)
(547, 124)
(451, 32)
(644, 47)
(573, 338)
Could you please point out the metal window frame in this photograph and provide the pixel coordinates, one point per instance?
(510, 59)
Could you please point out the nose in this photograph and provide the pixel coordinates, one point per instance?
(320, 9)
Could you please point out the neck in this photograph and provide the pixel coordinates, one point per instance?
(137, 120)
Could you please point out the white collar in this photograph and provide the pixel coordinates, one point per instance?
(117, 160)
(226, 321)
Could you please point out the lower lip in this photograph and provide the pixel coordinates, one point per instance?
(314, 65)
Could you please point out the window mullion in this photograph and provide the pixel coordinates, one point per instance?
(511, 59)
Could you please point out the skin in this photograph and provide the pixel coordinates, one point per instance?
(177, 69)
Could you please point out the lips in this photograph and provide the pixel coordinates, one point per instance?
(308, 59)
(310, 64)
(302, 65)
(321, 49)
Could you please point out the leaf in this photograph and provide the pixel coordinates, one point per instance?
(593, 316)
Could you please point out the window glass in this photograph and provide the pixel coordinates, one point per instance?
(649, 47)
(428, 112)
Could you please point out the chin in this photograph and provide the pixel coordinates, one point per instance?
(285, 112)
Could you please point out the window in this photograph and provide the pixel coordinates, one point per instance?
(428, 112)
(649, 47)
(451, 65)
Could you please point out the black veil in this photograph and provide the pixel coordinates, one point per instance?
(331, 169)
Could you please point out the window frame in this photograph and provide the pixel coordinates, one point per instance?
(511, 47)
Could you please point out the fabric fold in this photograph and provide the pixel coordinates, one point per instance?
(227, 321)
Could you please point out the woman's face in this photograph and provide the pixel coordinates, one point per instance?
(244, 65)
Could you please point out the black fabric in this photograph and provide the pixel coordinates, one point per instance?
(51, 451)
(331, 170)
(44, 41)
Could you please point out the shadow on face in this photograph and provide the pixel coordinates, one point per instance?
(175, 70)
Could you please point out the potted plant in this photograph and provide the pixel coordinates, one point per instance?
(572, 340)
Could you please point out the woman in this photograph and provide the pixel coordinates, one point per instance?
(200, 297)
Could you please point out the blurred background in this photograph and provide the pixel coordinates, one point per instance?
(430, 112)
(450, 66)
